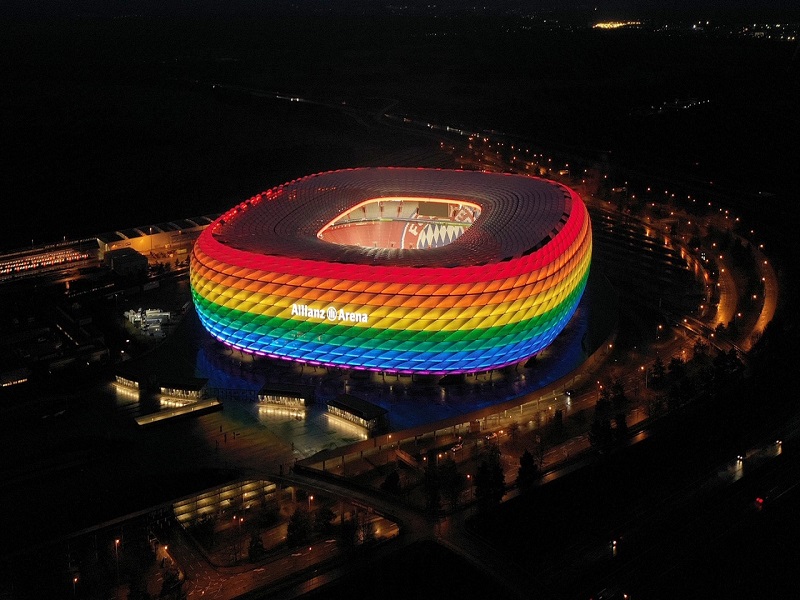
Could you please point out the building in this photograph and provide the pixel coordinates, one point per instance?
(396, 269)
(371, 417)
(126, 262)
(239, 496)
(191, 389)
(174, 237)
(128, 382)
(289, 395)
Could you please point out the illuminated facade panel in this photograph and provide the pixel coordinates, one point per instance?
(264, 281)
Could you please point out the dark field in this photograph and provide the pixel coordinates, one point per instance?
(112, 123)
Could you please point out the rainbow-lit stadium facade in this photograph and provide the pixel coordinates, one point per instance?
(279, 275)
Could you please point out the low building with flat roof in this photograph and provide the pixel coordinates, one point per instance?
(126, 261)
(357, 410)
(161, 237)
(290, 395)
(190, 388)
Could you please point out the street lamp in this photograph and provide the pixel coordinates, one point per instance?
(74, 581)
(116, 553)
(310, 498)
(645, 370)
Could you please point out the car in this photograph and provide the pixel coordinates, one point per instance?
(457, 447)
(491, 436)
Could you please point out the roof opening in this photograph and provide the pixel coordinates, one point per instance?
(401, 222)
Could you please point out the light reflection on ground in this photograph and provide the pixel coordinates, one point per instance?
(409, 402)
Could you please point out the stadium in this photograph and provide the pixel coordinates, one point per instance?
(396, 269)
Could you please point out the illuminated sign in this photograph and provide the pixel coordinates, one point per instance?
(328, 314)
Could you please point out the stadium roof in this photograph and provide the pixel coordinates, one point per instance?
(519, 215)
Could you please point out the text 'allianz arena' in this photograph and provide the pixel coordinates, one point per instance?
(396, 269)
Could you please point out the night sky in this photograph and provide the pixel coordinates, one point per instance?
(104, 107)
(605, 8)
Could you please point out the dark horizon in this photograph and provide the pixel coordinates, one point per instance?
(682, 10)
(78, 87)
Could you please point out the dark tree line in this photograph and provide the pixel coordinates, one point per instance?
(442, 481)
(610, 408)
(490, 482)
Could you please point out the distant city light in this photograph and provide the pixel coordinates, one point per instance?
(616, 24)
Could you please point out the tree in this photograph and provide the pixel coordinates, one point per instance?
(171, 585)
(721, 366)
(673, 396)
(527, 473)
(617, 388)
(658, 372)
(323, 520)
(298, 532)
(432, 487)
(347, 533)
(605, 394)
(256, 550)
(602, 408)
(734, 362)
(558, 423)
(676, 368)
(392, 483)
(489, 479)
(366, 531)
(618, 398)
(655, 407)
(267, 516)
(137, 589)
(705, 379)
(538, 450)
(700, 350)
(686, 390)
(451, 482)
(601, 436)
